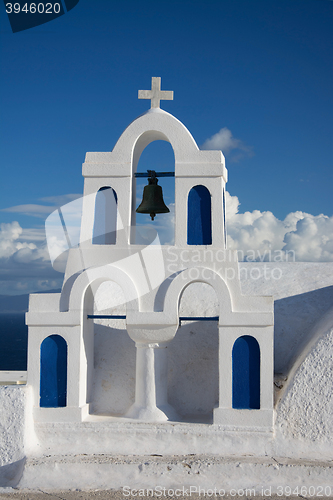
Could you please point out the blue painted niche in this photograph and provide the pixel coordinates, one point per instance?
(53, 372)
(246, 373)
(105, 222)
(199, 216)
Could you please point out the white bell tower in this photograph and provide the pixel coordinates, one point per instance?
(153, 278)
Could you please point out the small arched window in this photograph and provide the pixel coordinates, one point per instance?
(105, 223)
(53, 372)
(199, 216)
(246, 373)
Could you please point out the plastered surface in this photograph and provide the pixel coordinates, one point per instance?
(303, 426)
(192, 355)
(204, 471)
(305, 410)
(12, 415)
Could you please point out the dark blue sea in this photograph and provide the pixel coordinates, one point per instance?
(13, 341)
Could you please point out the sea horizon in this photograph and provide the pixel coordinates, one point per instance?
(13, 341)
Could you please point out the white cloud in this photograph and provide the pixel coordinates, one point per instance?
(9, 235)
(261, 236)
(42, 211)
(166, 226)
(36, 234)
(312, 239)
(29, 285)
(163, 224)
(60, 200)
(24, 258)
(225, 142)
(12, 246)
(24, 264)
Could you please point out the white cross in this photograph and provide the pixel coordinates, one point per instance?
(156, 94)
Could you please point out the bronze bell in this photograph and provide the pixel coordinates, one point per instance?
(152, 200)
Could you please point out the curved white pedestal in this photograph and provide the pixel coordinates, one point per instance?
(151, 388)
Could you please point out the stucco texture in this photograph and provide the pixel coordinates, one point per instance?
(304, 413)
(12, 403)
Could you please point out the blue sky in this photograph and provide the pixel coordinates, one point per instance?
(254, 74)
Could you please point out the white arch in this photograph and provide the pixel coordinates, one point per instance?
(47, 335)
(194, 275)
(159, 125)
(73, 299)
(154, 126)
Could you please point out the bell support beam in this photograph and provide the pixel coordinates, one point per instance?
(157, 174)
(181, 318)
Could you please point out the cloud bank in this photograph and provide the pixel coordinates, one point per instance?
(260, 235)
(25, 265)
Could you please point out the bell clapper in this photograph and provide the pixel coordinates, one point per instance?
(152, 180)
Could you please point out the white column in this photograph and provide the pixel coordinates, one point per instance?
(151, 388)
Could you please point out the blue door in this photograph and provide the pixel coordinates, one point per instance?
(53, 372)
(246, 373)
(199, 216)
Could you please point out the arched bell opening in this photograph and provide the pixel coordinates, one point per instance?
(113, 385)
(199, 216)
(246, 373)
(193, 373)
(159, 157)
(53, 372)
(105, 221)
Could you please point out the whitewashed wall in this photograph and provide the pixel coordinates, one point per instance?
(12, 431)
(304, 353)
(303, 294)
(305, 409)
